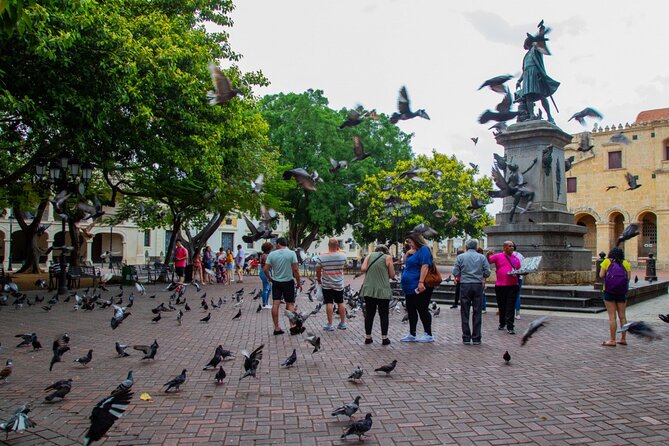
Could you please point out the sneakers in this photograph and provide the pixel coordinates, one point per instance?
(501, 327)
(483, 311)
(425, 338)
(518, 316)
(476, 342)
(408, 338)
(466, 341)
(267, 307)
(328, 327)
(342, 326)
(386, 341)
(368, 340)
(511, 331)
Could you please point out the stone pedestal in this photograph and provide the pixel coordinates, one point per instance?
(547, 229)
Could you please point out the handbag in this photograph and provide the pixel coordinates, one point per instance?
(432, 278)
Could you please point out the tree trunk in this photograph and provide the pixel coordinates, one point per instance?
(75, 239)
(200, 239)
(308, 240)
(31, 262)
(176, 230)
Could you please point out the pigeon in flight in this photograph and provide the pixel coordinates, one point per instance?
(355, 117)
(632, 181)
(587, 112)
(335, 165)
(148, 350)
(404, 109)
(584, 144)
(105, 413)
(640, 329)
(251, 362)
(315, 342)
(496, 83)
(358, 149)
(475, 203)
(302, 177)
(534, 326)
(223, 91)
(629, 232)
(503, 112)
(258, 184)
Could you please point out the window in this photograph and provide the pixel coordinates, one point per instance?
(635, 137)
(571, 185)
(228, 221)
(147, 238)
(652, 134)
(666, 152)
(615, 160)
(249, 245)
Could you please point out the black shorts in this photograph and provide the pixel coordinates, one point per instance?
(284, 290)
(330, 296)
(614, 297)
(180, 271)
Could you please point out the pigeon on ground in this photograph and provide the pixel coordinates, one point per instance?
(534, 326)
(507, 357)
(19, 421)
(60, 389)
(120, 350)
(220, 375)
(664, 317)
(640, 329)
(315, 341)
(157, 318)
(387, 368)
(180, 316)
(120, 314)
(7, 370)
(359, 428)
(176, 382)
(213, 362)
(356, 374)
(105, 413)
(86, 359)
(259, 309)
(238, 315)
(148, 350)
(630, 232)
(27, 339)
(348, 409)
(206, 318)
(126, 384)
(58, 350)
(289, 361)
(251, 362)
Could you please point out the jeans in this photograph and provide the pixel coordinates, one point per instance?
(266, 288)
(371, 304)
(506, 300)
(471, 294)
(418, 305)
(520, 285)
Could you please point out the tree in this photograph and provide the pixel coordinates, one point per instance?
(305, 130)
(449, 192)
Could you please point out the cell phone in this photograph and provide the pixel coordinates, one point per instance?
(417, 291)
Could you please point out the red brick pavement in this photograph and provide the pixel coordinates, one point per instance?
(563, 388)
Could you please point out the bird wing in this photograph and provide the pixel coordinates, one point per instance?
(630, 179)
(105, 413)
(403, 101)
(221, 82)
(505, 105)
(250, 225)
(500, 182)
(591, 112)
(142, 348)
(358, 150)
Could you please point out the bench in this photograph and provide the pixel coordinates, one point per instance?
(159, 271)
(140, 273)
(92, 273)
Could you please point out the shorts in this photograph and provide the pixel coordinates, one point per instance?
(180, 271)
(330, 296)
(229, 266)
(614, 297)
(284, 290)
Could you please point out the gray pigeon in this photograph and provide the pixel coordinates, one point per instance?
(359, 428)
(534, 326)
(290, 360)
(176, 382)
(315, 341)
(619, 138)
(348, 409)
(60, 389)
(387, 368)
(356, 374)
(640, 329)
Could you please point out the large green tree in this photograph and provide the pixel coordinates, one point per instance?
(306, 131)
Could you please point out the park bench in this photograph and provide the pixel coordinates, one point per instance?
(159, 272)
(91, 272)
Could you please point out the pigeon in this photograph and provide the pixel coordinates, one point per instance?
(7, 370)
(223, 90)
(257, 185)
(40, 283)
(206, 318)
(19, 421)
(632, 181)
(475, 203)
(297, 320)
(348, 409)
(238, 315)
(259, 309)
(608, 188)
(126, 384)
(157, 318)
(436, 312)
(586, 112)
(356, 116)
(119, 316)
(59, 349)
(176, 382)
(404, 109)
(315, 341)
(27, 339)
(664, 317)
(289, 361)
(86, 359)
(251, 362)
(387, 368)
(358, 149)
(359, 428)
(220, 375)
(215, 361)
(425, 230)
(636, 279)
(302, 178)
(105, 413)
(140, 288)
(439, 213)
(356, 374)
(503, 112)
(630, 232)
(180, 316)
(335, 165)
(413, 174)
(60, 389)
(506, 357)
(120, 350)
(584, 144)
(568, 163)
(640, 329)
(534, 326)
(496, 83)
(619, 138)
(148, 350)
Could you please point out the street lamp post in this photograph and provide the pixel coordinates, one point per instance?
(11, 229)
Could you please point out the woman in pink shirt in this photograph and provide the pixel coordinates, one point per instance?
(506, 285)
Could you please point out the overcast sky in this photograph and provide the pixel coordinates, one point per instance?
(607, 55)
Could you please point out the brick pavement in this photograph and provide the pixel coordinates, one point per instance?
(560, 389)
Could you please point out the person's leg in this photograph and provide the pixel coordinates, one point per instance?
(384, 309)
(620, 310)
(423, 306)
(412, 310)
(510, 306)
(265, 287)
(457, 294)
(328, 300)
(501, 306)
(277, 294)
(370, 312)
(339, 299)
(464, 312)
(611, 311)
(477, 300)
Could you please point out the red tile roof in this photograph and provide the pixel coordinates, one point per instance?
(652, 115)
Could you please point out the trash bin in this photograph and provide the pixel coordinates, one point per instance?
(127, 275)
(189, 273)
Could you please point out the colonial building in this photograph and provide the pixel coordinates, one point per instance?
(600, 197)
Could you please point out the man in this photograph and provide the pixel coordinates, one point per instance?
(471, 268)
(281, 268)
(506, 285)
(239, 264)
(330, 275)
(180, 259)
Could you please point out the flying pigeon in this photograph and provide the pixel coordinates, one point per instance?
(496, 83)
(251, 362)
(586, 112)
(302, 177)
(534, 326)
(223, 91)
(640, 329)
(403, 106)
(630, 232)
(105, 413)
(315, 341)
(632, 181)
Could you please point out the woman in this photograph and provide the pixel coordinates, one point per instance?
(266, 248)
(197, 268)
(417, 295)
(230, 270)
(208, 260)
(378, 267)
(615, 271)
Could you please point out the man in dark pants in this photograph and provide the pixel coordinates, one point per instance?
(281, 268)
(506, 285)
(471, 268)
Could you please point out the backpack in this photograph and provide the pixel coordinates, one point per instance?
(615, 281)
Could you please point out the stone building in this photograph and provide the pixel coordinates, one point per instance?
(597, 188)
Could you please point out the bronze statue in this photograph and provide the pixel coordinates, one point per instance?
(515, 186)
(536, 84)
(547, 159)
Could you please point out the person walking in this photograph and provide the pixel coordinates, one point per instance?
(506, 285)
(471, 268)
(378, 268)
(417, 295)
(266, 248)
(239, 263)
(330, 275)
(180, 260)
(616, 272)
(282, 270)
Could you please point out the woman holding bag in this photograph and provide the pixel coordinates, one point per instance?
(378, 268)
(416, 293)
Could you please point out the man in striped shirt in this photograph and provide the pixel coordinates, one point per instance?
(330, 275)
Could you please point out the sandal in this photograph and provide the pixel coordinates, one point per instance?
(609, 344)
(621, 342)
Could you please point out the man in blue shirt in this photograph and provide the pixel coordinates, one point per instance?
(281, 268)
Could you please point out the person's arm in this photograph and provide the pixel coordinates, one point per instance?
(391, 267)
(363, 267)
(267, 268)
(456, 268)
(486, 270)
(602, 271)
(319, 271)
(296, 275)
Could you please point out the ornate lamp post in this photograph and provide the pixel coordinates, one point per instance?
(58, 177)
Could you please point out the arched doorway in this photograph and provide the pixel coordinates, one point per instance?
(647, 234)
(590, 237)
(101, 245)
(618, 226)
(19, 246)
